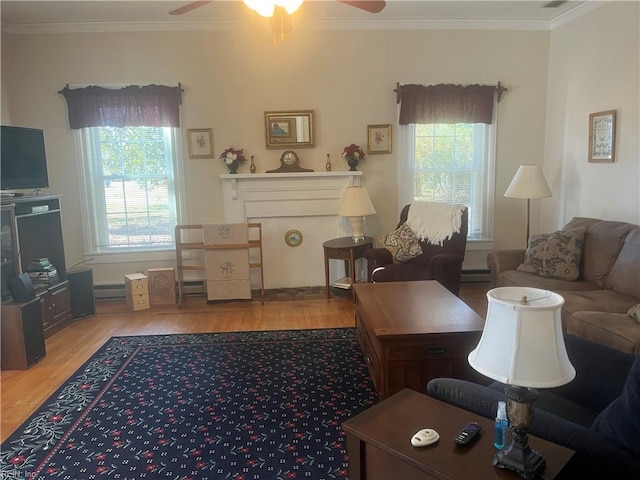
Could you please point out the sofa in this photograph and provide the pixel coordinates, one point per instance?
(602, 291)
(596, 414)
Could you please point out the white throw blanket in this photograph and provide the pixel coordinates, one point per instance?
(435, 222)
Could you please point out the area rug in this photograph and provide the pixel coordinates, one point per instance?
(252, 405)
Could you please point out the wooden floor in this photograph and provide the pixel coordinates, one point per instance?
(22, 391)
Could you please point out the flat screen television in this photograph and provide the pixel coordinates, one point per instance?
(23, 163)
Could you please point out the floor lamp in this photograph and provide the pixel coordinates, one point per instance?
(528, 182)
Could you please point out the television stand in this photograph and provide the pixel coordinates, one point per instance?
(37, 223)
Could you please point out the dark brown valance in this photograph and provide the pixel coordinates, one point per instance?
(446, 104)
(131, 106)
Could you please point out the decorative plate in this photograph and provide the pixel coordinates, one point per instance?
(293, 238)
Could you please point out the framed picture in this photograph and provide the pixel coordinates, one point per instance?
(200, 143)
(378, 139)
(289, 129)
(602, 136)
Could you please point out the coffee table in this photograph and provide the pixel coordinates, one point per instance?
(378, 443)
(411, 332)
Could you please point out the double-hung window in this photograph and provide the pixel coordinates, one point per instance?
(130, 166)
(447, 155)
(130, 187)
(451, 163)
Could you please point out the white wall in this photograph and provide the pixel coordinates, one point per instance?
(593, 67)
(231, 78)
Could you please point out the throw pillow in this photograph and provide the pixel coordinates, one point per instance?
(620, 421)
(402, 243)
(634, 312)
(555, 255)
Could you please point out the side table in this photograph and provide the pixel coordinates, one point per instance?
(378, 443)
(344, 248)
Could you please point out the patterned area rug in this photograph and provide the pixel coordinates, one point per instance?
(253, 405)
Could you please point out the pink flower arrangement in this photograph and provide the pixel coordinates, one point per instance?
(353, 151)
(229, 155)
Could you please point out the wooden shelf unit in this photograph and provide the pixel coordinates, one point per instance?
(254, 230)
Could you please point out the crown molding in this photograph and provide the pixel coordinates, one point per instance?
(372, 24)
(102, 27)
(579, 11)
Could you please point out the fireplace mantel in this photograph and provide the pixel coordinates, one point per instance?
(305, 201)
(234, 179)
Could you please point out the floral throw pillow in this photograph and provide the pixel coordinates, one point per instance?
(555, 255)
(402, 243)
(634, 312)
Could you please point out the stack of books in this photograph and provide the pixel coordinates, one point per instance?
(43, 273)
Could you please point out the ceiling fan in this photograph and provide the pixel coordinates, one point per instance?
(280, 11)
(371, 6)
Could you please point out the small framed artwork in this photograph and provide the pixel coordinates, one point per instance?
(602, 136)
(378, 139)
(200, 143)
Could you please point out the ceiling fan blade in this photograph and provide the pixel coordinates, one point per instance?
(371, 6)
(188, 7)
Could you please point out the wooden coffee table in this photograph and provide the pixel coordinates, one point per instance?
(378, 443)
(411, 332)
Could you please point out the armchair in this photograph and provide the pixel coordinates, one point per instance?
(442, 263)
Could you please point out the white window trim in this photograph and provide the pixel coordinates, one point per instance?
(131, 255)
(405, 182)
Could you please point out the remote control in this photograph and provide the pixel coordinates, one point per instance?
(467, 434)
(424, 437)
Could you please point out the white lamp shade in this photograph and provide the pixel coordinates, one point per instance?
(528, 182)
(355, 203)
(523, 344)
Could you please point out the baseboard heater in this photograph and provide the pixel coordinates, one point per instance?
(475, 276)
(116, 291)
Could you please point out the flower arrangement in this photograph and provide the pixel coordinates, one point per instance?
(353, 151)
(230, 155)
(354, 154)
(232, 158)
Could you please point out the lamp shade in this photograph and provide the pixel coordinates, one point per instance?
(355, 203)
(522, 342)
(528, 182)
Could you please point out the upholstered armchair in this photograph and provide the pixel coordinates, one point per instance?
(435, 262)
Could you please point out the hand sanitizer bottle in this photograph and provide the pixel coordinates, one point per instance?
(501, 426)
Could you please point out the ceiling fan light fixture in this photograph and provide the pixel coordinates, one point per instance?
(267, 7)
(289, 5)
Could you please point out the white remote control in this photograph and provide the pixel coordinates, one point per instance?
(424, 437)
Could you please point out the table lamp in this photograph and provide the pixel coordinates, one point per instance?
(356, 205)
(523, 347)
(528, 182)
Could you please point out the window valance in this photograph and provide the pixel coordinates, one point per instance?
(446, 103)
(130, 106)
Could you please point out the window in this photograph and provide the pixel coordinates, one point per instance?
(130, 188)
(451, 163)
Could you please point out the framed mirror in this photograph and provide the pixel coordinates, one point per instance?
(289, 129)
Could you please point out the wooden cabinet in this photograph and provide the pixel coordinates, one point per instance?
(22, 335)
(56, 308)
(32, 229)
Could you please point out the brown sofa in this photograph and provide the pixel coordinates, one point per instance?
(596, 304)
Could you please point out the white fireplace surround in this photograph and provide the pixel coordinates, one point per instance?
(305, 201)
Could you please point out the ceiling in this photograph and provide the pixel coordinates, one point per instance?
(27, 16)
